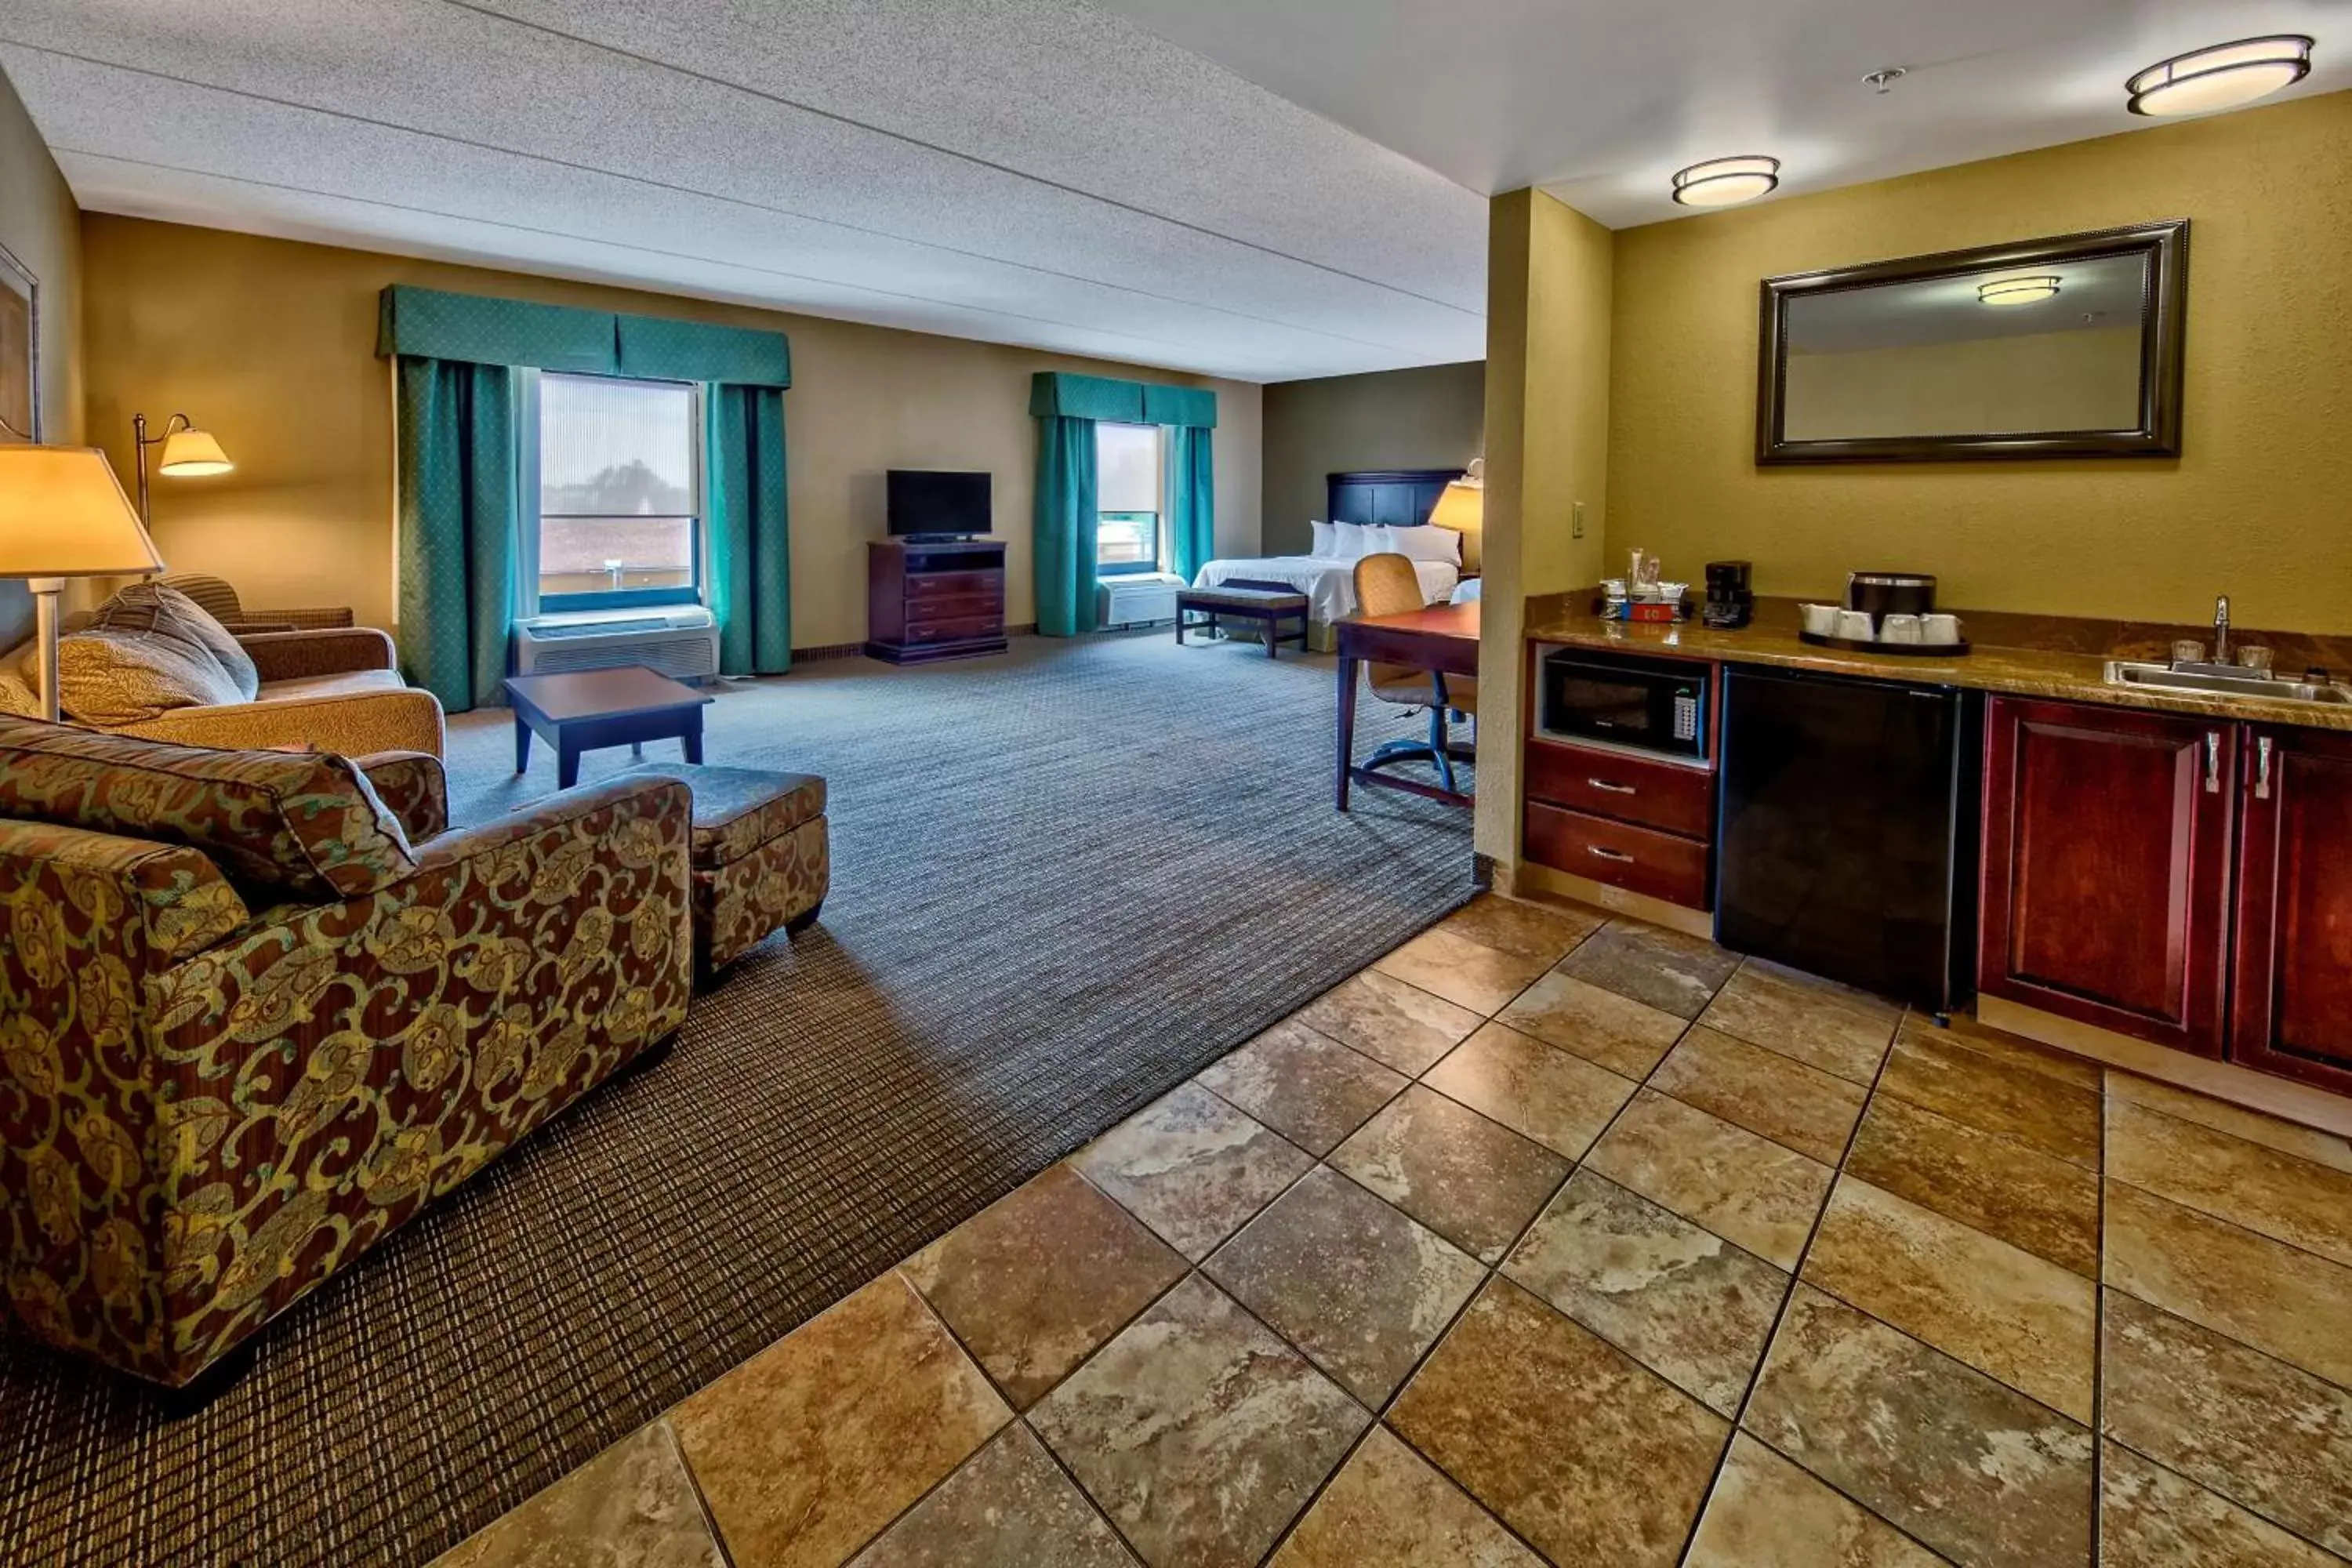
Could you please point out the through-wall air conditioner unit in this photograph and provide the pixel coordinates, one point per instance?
(1136, 601)
(681, 643)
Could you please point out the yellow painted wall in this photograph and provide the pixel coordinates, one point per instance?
(270, 344)
(1547, 391)
(42, 228)
(2260, 504)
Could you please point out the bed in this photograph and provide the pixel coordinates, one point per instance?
(1398, 498)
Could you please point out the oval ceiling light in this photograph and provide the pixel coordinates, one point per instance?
(2223, 77)
(1720, 182)
(2017, 290)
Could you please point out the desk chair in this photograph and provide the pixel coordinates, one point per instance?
(1388, 585)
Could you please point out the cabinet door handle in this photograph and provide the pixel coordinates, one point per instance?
(2263, 768)
(1609, 853)
(1612, 788)
(2212, 761)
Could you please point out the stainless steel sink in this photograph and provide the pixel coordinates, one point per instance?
(2225, 683)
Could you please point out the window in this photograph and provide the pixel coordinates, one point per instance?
(619, 492)
(1126, 498)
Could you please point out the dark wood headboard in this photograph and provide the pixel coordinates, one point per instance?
(1398, 498)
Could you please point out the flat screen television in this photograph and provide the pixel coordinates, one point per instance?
(931, 502)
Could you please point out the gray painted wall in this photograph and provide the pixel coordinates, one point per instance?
(1430, 418)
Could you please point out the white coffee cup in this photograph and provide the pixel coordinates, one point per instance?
(1941, 630)
(1899, 628)
(1855, 625)
(1819, 619)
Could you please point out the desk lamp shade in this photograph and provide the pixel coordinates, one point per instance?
(1462, 507)
(192, 454)
(63, 514)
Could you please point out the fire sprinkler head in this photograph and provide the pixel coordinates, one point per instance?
(1883, 81)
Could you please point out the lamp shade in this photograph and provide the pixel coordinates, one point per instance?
(192, 454)
(1462, 507)
(63, 514)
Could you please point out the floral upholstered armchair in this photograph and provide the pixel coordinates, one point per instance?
(256, 1009)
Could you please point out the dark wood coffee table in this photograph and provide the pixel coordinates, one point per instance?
(592, 709)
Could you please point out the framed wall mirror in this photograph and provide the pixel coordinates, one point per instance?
(2067, 347)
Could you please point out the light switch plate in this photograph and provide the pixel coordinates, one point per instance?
(1576, 519)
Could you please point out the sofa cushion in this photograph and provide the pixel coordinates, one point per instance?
(735, 810)
(307, 824)
(348, 683)
(158, 611)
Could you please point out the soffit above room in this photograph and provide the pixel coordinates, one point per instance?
(1600, 101)
(1031, 172)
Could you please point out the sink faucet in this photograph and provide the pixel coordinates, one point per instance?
(2221, 629)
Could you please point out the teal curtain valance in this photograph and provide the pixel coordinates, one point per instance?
(480, 329)
(1058, 394)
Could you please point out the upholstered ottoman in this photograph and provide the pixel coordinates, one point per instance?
(759, 855)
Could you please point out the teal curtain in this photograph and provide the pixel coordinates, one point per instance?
(1066, 526)
(749, 518)
(1192, 505)
(457, 510)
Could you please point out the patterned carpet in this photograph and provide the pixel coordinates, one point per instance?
(1064, 879)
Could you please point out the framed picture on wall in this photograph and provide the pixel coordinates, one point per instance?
(20, 351)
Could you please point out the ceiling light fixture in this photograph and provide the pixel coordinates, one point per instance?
(2017, 290)
(1720, 182)
(2223, 77)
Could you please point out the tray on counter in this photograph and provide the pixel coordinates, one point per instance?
(1905, 649)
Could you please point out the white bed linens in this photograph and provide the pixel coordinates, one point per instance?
(1329, 585)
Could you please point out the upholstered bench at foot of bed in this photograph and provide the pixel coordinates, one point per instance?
(761, 860)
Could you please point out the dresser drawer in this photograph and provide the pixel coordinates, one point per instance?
(925, 586)
(950, 628)
(963, 606)
(1630, 789)
(1638, 859)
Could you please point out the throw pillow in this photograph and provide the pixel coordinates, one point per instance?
(111, 679)
(165, 612)
(18, 676)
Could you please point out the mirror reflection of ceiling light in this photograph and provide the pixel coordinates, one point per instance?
(1720, 182)
(2017, 290)
(2223, 77)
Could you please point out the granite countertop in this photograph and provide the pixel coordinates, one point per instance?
(2053, 657)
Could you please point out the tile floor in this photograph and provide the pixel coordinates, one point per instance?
(1557, 1238)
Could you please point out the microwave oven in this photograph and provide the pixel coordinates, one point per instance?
(1656, 705)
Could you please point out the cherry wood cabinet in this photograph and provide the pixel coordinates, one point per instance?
(2107, 867)
(2292, 983)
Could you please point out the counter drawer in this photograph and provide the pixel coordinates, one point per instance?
(1638, 859)
(1659, 794)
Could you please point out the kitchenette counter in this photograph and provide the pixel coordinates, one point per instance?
(2057, 658)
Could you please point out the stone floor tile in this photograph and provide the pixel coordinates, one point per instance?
(1389, 1508)
(2002, 1310)
(1681, 1301)
(2286, 1137)
(1545, 931)
(2269, 1437)
(2284, 1197)
(2150, 1518)
(1473, 1180)
(1971, 1466)
(1581, 1450)
(1306, 1086)
(1390, 1020)
(2029, 1199)
(807, 1450)
(1192, 1168)
(1665, 969)
(2015, 1050)
(632, 1506)
(1765, 1512)
(1780, 1096)
(1009, 1507)
(1199, 1432)
(1997, 1096)
(1467, 973)
(1034, 1282)
(1830, 1027)
(1616, 1032)
(2295, 1305)
(1745, 1188)
(1358, 1286)
(1560, 1101)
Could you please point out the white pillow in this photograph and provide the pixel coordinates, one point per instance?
(1353, 541)
(1380, 540)
(1428, 543)
(1327, 541)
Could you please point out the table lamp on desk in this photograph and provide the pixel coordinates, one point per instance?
(63, 514)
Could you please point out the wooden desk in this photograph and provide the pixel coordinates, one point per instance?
(1443, 637)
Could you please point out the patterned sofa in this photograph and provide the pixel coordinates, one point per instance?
(256, 1009)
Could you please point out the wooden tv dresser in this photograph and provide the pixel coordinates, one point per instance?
(927, 601)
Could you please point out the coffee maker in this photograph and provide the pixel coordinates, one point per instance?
(1728, 600)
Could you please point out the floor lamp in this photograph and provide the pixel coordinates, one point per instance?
(63, 514)
(188, 453)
